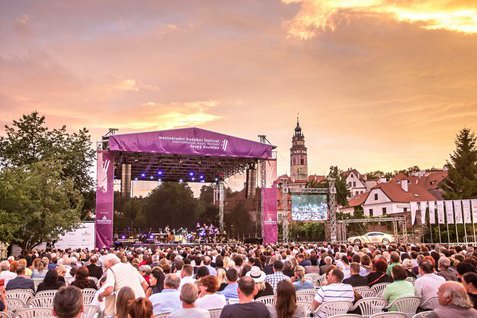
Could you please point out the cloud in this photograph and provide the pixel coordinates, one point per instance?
(318, 15)
(127, 85)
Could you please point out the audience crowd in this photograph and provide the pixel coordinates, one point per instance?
(189, 281)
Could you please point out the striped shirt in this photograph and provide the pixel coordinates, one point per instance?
(333, 292)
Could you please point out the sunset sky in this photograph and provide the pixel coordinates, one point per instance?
(378, 84)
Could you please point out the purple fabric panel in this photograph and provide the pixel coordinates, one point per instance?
(190, 141)
(269, 222)
(104, 199)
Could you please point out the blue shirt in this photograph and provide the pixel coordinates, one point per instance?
(306, 285)
(230, 291)
(166, 301)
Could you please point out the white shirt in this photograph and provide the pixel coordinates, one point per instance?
(190, 313)
(340, 291)
(211, 301)
(166, 301)
(7, 275)
(186, 280)
(427, 286)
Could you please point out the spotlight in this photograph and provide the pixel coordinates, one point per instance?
(159, 172)
(135, 179)
(159, 180)
(151, 236)
(216, 179)
(152, 177)
(180, 180)
(201, 177)
(123, 236)
(202, 181)
(143, 175)
(193, 179)
(191, 174)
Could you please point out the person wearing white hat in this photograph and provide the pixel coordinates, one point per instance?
(263, 287)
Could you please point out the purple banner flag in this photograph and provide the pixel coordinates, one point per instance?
(269, 221)
(190, 141)
(104, 199)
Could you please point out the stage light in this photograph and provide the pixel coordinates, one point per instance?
(201, 177)
(180, 180)
(135, 179)
(152, 177)
(160, 180)
(151, 236)
(191, 173)
(143, 175)
(216, 179)
(202, 181)
(123, 236)
(159, 172)
(193, 179)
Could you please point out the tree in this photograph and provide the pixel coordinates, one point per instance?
(37, 204)
(461, 182)
(342, 192)
(28, 141)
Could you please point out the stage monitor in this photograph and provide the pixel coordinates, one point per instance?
(309, 207)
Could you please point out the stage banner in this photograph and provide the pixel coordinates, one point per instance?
(432, 212)
(423, 207)
(104, 198)
(473, 204)
(458, 212)
(269, 221)
(466, 209)
(413, 211)
(449, 211)
(271, 172)
(440, 212)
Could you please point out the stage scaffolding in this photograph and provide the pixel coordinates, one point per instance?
(397, 221)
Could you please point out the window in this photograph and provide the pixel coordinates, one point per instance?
(405, 210)
(349, 184)
(384, 211)
(370, 212)
(354, 183)
(302, 161)
(376, 197)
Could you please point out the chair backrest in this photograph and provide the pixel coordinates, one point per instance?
(410, 279)
(23, 294)
(40, 302)
(370, 306)
(422, 314)
(368, 293)
(233, 301)
(320, 280)
(4, 315)
(307, 291)
(15, 304)
(163, 315)
(88, 295)
(215, 312)
(407, 305)
(49, 292)
(304, 298)
(267, 300)
(37, 282)
(431, 302)
(346, 316)
(391, 314)
(313, 277)
(91, 311)
(332, 308)
(307, 308)
(95, 280)
(379, 287)
(359, 289)
(34, 312)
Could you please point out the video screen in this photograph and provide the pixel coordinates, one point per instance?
(309, 207)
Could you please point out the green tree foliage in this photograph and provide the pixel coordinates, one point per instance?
(340, 184)
(37, 204)
(307, 231)
(461, 182)
(171, 204)
(28, 140)
(206, 211)
(239, 219)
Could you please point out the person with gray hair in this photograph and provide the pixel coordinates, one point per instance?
(68, 302)
(445, 271)
(119, 275)
(5, 274)
(93, 268)
(453, 302)
(169, 299)
(188, 296)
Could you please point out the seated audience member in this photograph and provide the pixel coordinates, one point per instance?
(168, 300)
(81, 279)
(3, 300)
(189, 294)
(68, 302)
(39, 268)
(187, 275)
(313, 267)
(453, 302)
(6, 274)
(469, 280)
(285, 306)
(328, 262)
(140, 308)
(335, 290)
(444, 269)
(20, 282)
(145, 271)
(50, 282)
(464, 267)
(399, 287)
(156, 282)
(221, 279)
(202, 272)
(408, 265)
(230, 291)
(299, 281)
(395, 260)
(93, 268)
(277, 275)
(208, 299)
(246, 306)
(378, 275)
(263, 288)
(23, 262)
(355, 278)
(428, 284)
(124, 298)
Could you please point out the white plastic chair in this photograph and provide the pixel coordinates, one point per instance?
(431, 302)
(46, 293)
(307, 308)
(95, 280)
(34, 312)
(305, 295)
(267, 300)
(163, 315)
(422, 314)
(369, 293)
(14, 304)
(88, 295)
(346, 316)
(359, 289)
(37, 282)
(40, 302)
(91, 311)
(215, 312)
(4, 315)
(313, 277)
(320, 280)
(332, 308)
(370, 306)
(23, 294)
(379, 287)
(407, 305)
(233, 301)
(393, 314)
(410, 279)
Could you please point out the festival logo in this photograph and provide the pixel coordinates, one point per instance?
(104, 180)
(225, 143)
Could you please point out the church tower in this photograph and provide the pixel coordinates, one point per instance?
(298, 156)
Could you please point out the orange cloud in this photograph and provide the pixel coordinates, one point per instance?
(316, 15)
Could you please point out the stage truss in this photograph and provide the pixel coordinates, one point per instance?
(397, 221)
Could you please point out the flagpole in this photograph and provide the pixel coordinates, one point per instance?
(439, 230)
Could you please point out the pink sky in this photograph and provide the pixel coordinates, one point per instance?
(378, 84)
